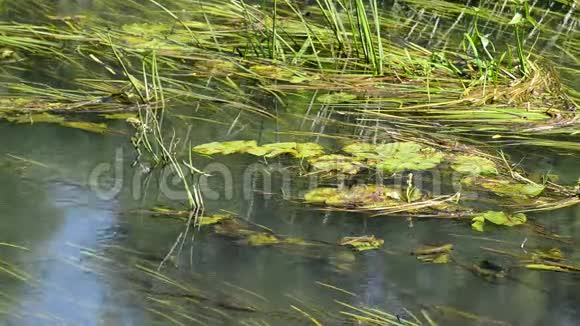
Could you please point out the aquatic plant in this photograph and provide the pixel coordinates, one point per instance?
(362, 243)
(497, 218)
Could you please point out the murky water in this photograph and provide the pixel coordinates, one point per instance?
(76, 247)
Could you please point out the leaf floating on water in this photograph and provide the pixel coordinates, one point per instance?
(273, 150)
(474, 165)
(501, 218)
(336, 98)
(299, 150)
(518, 190)
(229, 227)
(258, 239)
(545, 267)
(361, 150)
(214, 219)
(435, 255)
(336, 163)
(442, 258)
(402, 156)
(361, 196)
(120, 116)
(507, 188)
(497, 218)
(226, 148)
(305, 150)
(98, 128)
(478, 223)
(362, 243)
(430, 250)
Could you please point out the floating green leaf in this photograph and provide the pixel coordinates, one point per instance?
(430, 250)
(336, 163)
(226, 148)
(474, 165)
(120, 116)
(498, 218)
(435, 255)
(361, 150)
(516, 190)
(305, 150)
(478, 223)
(501, 218)
(98, 128)
(361, 196)
(442, 258)
(362, 243)
(402, 156)
(506, 188)
(546, 267)
(276, 149)
(299, 150)
(214, 219)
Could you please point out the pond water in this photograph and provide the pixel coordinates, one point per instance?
(79, 247)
